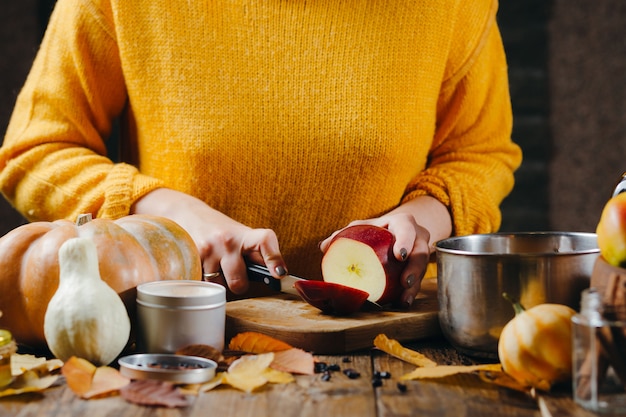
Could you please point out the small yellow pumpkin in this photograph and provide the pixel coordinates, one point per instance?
(535, 347)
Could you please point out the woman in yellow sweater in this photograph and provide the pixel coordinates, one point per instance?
(256, 122)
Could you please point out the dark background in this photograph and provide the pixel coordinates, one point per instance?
(567, 69)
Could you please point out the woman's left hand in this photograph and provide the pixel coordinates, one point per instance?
(414, 241)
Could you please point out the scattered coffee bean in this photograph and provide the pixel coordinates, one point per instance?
(320, 367)
(402, 387)
(325, 376)
(382, 374)
(334, 367)
(174, 365)
(351, 373)
(377, 382)
(346, 360)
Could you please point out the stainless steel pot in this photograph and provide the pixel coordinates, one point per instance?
(533, 267)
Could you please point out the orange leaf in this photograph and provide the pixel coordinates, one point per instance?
(295, 361)
(254, 342)
(78, 374)
(106, 381)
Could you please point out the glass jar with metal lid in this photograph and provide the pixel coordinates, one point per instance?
(7, 348)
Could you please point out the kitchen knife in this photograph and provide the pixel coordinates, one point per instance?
(260, 273)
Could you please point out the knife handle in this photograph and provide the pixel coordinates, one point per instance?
(260, 273)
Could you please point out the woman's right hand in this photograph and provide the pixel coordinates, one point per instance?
(222, 242)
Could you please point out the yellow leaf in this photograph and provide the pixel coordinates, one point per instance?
(278, 377)
(251, 364)
(247, 372)
(448, 370)
(217, 380)
(21, 363)
(394, 348)
(245, 383)
(28, 381)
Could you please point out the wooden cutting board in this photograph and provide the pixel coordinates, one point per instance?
(292, 320)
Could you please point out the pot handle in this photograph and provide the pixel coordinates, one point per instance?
(621, 185)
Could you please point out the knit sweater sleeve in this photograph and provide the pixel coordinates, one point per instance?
(53, 161)
(472, 159)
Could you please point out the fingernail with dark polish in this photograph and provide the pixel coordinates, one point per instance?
(410, 280)
(408, 301)
(403, 253)
(280, 270)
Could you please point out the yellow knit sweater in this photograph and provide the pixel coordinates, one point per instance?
(294, 115)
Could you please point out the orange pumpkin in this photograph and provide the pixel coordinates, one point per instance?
(131, 250)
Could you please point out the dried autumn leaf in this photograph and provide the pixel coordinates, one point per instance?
(106, 381)
(22, 363)
(28, 381)
(203, 351)
(394, 348)
(295, 361)
(278, 377)
(502, 379)
(30, 374)
(78, 373)
(153, 392)
(448, 370)
(247, 372)
(217, 380)
(253, 342)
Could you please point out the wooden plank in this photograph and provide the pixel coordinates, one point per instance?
(310, 396)
(461, 395)
(290, 319)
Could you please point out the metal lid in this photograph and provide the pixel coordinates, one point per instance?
(181, 293)
(167, 367)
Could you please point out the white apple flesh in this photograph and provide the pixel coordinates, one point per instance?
(362, 257)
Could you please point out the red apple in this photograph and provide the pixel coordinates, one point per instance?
(611, 231)
(331, 298)
(362, 257)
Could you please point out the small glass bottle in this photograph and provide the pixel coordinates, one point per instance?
(595, 385)
(7, 348)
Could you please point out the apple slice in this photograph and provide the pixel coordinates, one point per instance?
(331, 298)
(362, 257)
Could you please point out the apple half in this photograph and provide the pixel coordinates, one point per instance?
(361, 257)
(331, 298)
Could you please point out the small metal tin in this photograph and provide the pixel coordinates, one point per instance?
(176, 313)
(167, 367)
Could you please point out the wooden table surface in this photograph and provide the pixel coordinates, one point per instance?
(461, 395)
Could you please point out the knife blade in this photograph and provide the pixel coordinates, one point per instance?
(260, 273)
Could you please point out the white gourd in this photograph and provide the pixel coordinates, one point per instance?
(85, 317)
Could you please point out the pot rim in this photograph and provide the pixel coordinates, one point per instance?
(445, 246)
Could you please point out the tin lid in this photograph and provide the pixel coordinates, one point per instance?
(181, 293)
(168, 367)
